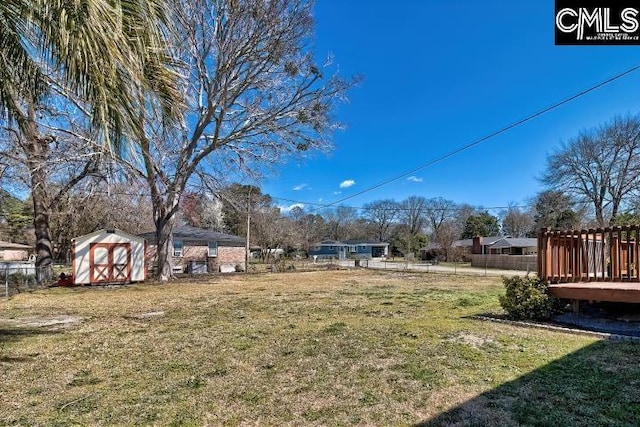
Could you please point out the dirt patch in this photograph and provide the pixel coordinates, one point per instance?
(474, 341)
(52, 322)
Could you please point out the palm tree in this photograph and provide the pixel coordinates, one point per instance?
(108, 55)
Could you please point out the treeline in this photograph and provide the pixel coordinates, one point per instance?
(408, 225)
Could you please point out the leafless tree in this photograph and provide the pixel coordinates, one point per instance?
(254, 95)
(600, 167)
(413, 214)
(341, 223)
(439, 211)
(269, 230)
(91, 206)
(309, 228)
(517, 222)
(448, 233)
(382, 214)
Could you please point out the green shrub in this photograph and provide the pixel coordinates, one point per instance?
(528, 298)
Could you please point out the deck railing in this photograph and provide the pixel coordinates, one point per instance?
(608, 254)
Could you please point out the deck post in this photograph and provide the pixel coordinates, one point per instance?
(575, 305)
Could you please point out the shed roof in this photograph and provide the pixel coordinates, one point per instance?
(187, 232)
(109, 231)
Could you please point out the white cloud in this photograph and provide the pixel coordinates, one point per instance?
(414, 178)
(287, 209)
(337, 192)
(300, 187)
(348, 183)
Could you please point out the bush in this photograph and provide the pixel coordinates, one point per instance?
(528, 298)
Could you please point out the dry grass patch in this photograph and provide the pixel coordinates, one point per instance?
(318, 348)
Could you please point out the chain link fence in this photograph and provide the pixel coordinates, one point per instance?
(23, 277)
(456, 268)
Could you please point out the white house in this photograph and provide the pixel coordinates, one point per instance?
(108, 256)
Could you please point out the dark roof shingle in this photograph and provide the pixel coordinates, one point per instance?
(187, 232)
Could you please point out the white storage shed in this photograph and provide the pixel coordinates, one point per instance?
(108, 256)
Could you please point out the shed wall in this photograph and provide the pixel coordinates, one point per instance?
(81, 263)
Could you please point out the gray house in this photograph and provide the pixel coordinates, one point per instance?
(353, 249)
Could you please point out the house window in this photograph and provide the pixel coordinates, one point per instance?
(331, 248)
(213, 249)
(363, 247)
(352, 249)
(178, 247)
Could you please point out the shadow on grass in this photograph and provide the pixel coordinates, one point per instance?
(598, 385)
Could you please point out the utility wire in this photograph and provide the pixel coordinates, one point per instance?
(490, 136)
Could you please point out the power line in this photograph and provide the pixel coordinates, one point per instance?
(490, 136)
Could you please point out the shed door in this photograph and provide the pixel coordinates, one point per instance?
(110, 262)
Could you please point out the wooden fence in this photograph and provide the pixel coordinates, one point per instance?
(607, 254)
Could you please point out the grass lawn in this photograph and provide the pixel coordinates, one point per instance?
(319, 348)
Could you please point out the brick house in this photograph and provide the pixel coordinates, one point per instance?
(197, 250)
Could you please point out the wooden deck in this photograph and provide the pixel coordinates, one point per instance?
(592, 265)
(598, 291)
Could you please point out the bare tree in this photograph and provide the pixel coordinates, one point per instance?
(309, 228)
(90, 207)
(269, 230)
(382, 214)
(254, 95)
(438, 212)
(413, 214)
(341, 222)
(600, 167)
(516, 222)
(448, 233)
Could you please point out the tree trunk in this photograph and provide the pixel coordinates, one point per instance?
(164, 252)
(37, 150)
(165, 221)
(44, 247)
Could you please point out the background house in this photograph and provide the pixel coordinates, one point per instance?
(197, 250)
(515, 246)
(14, 251)
(355, 249)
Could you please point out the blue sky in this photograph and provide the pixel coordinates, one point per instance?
(439, 75)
